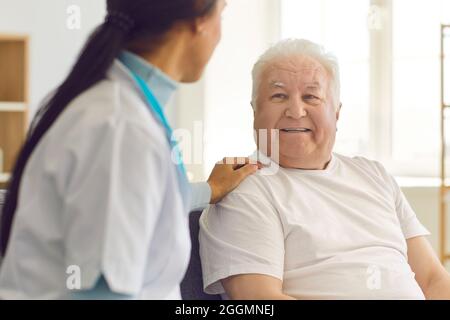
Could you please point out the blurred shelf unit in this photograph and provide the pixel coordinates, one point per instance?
(13, 107)
(445, 108)
(13, 99)
(4, 177)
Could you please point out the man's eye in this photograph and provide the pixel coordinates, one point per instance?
(279, 96)
(310, 97)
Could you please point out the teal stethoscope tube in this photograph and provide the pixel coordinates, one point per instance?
(158, 112)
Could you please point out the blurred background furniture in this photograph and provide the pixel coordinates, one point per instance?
(445, 117)
(13, 99)
(2, 198)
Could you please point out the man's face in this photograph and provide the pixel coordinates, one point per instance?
(296, 98)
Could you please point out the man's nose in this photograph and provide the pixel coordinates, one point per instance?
(296, 109)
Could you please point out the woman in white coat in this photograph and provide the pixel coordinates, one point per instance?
(99, 200)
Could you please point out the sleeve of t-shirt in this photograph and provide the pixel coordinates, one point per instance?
(409, 223)
(240, 235)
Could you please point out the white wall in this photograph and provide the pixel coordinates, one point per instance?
(221, 101)
(53, 47)
(250, 27)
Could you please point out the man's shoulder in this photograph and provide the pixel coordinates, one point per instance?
(257, 184)
(250, 201)
(368, 168)
(353, 159)
(362, 162)
(253, 192)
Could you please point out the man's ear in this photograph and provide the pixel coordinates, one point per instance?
(338, 111)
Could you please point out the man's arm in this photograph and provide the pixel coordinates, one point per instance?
(432, 277)
(254, 287)
(242, 236)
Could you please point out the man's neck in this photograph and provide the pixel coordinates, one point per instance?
(305, 164)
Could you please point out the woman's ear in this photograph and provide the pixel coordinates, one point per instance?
(196, 26)
(199, 25)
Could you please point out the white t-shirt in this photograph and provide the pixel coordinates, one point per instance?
(337, 233)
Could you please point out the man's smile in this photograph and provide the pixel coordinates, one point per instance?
(295, 130)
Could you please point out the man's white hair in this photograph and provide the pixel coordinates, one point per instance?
(297, 47)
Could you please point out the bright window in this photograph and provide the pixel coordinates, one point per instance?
(416, 84)
(390, 74)
(344, 32)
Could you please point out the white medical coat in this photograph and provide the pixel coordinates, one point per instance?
(99, 195)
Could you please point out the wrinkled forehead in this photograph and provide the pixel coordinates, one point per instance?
(298, 71)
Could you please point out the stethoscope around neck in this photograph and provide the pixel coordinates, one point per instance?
(158, 112)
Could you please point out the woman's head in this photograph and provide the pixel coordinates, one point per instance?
(140, 25)
(194, 25)
(206, 32)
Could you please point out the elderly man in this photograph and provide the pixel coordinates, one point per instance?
(322, 226)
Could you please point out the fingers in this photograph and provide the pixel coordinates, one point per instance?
(246, 170)
(228, 174)
(237, 166)
(258, 164)
(234, 161)
(237, 162)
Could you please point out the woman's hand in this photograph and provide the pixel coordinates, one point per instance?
(227, 175)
